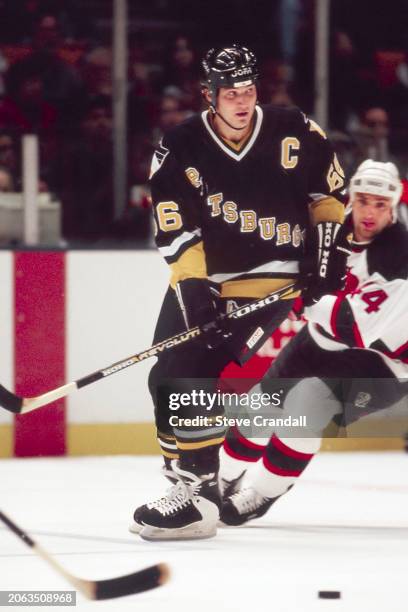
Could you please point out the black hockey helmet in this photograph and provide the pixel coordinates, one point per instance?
(233, 66)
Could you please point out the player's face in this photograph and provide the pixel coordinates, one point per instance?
(371, 214)
(237, 105)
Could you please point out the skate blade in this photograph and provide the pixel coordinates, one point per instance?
(183, 533)
(224, 525)
(135, 527)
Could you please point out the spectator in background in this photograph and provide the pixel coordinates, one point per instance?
(25, 111)
(9, 158)
(10, 164)
(372, 135)
(288, 16)
(181, 76)
(171, 112)
(97, 72)
(6, 180)
(17, 18)
(361, 30)
(140, 76)
(275, 87)
(375, 133)
(83, 178)
(140, 93)
(61, 83)
(376, 119)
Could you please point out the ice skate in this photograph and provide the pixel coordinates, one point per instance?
(230, 486)
(137, 525)
(244, 506)
(190, 510)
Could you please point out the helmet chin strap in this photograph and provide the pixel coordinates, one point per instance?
(215, 112)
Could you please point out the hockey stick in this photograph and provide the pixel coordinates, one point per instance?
(143, 580)
(21, 405)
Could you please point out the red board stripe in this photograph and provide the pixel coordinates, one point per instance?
(39, 281)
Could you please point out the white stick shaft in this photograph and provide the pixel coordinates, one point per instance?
(86, 587)
(31, 403)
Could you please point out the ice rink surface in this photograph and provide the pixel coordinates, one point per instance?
(343, 527)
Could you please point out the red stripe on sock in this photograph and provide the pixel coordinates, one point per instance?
(39, 349)
(290, 452)
(235, 455)
(278, 470)
(245, 441)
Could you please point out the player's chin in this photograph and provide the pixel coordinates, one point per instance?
(371, 231)
(242, 121)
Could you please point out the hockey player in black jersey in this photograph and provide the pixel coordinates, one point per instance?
(235, 192)
(357, 340)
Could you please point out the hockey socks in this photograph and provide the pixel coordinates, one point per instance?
(283, 461)
(242, 449)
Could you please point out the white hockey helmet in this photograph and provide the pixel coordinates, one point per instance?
(377, 178)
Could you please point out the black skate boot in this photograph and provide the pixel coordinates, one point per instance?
(244, 506)
(230, 487)
(137, 525)
(191, 511)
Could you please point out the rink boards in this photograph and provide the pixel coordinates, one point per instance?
(64, 315)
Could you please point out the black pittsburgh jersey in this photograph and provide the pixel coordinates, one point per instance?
(238, 215)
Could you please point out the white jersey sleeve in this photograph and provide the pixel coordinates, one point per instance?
(374, 316)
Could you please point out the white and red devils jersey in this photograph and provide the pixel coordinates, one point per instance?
(249, 208)
(372, 311)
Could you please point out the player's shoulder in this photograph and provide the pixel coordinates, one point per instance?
(294, 121)
(174, 146)
(388, 253)
(177, 137)
(284, 116)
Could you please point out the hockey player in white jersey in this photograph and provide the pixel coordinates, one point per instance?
(361, 332)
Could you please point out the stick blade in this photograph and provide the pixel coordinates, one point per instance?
(144, 580)
(9, 401)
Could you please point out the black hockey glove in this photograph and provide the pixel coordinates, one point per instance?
(324, 270)
(199, 309)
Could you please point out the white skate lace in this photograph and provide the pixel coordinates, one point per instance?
(192, 482)
(247, 500)
(170, 492)
(177, 496)
(225, 483)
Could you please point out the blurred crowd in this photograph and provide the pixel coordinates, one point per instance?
(56, 81)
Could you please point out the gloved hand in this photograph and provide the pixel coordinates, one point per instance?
(323, 270)
(200, 309)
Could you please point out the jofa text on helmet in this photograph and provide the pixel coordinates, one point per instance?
(241, 72)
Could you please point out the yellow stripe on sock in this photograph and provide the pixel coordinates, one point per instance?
(197, 445)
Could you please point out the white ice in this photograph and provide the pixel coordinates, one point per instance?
(343, 527)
